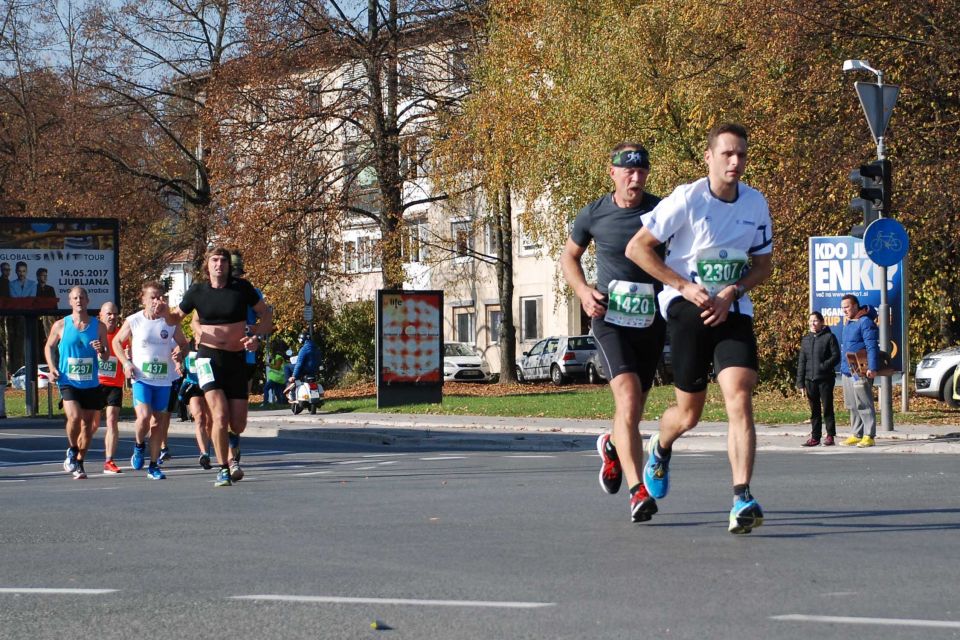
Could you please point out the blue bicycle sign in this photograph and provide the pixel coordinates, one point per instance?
(886, 242)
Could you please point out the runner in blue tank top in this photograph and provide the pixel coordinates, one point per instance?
(74, 347)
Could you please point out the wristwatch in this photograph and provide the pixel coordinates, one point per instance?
(740, 291)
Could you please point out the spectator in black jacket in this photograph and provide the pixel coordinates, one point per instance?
(819, 356)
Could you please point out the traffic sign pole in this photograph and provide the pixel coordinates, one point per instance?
(878, 101)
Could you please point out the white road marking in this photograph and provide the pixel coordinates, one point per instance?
(530, 456)
(352, 462)
(399, 601)
(312, 473)
(887, 622)
(79, 592)
(12, 480)
(446, 458)
(44, 473)
(364, 468)
(383, 455)
(11, 434)
(386, 462)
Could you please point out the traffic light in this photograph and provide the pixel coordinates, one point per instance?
(875, 181)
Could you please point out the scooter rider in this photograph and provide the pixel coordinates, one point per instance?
(308, 361)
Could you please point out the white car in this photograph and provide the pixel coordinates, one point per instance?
(463, 363)
(934, 375)
(19, 378)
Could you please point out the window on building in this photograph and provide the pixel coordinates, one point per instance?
(490, 240)
(462, 234)
(350, 256)
(465, 325)
(494, 318)
(528, 243)
(457, 64)
(365, 253)
(414, 246)
(530, 314)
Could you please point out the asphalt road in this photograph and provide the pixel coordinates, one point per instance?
(321, 539)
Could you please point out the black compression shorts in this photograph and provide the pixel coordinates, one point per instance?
(89, 399)
(695, 346)
(229, 372)
(629, 349)
(112, 396)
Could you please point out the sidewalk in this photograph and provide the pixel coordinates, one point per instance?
(483, 432)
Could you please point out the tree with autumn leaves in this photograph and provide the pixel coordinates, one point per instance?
(570, 78)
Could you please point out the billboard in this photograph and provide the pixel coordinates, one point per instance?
(41, 259)
(839, 265)
(409, 347)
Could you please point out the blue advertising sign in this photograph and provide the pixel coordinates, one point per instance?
(886, 241)
(840, 265)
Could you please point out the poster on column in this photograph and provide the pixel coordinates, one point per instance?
(409, 347)
(839, 265)
(41, 259)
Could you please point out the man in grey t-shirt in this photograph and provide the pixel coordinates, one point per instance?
(625, 322)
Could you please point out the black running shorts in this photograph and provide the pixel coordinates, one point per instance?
(629, 349)
(229, 372)
(89, 399)
(695, 346)
(112, 396)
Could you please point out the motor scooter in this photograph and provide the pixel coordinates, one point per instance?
(305, 394)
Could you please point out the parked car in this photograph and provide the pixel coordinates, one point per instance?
(934, 375)
(19, 378)
(597, 373)
(558, 359)
(463, 363)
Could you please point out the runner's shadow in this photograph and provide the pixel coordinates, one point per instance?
(819, 523)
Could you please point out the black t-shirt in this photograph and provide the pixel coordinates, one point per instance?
(220, 306)
(611, 227)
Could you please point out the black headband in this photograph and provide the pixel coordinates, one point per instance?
(631, 158)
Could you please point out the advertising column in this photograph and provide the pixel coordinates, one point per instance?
(838, 266)
(409, 347)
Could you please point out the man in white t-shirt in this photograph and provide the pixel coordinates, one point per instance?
(719, 236)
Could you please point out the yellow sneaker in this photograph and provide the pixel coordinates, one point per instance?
(852, 440)
(867, 441)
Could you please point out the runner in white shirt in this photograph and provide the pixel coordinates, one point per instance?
(719, 236)
(151, 368)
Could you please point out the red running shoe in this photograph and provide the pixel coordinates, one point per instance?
(611, 474)
(642, 505)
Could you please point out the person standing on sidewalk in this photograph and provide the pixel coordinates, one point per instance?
(860, 339)
(74, 347)
(625, 322)
(720, 246)
(819, 357)
(111, 385)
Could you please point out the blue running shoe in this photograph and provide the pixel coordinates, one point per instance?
(745, 516)
(164, 455)
(223, 478)
(70, 463)
(136, 460)
(656, 472)
(154, 473)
